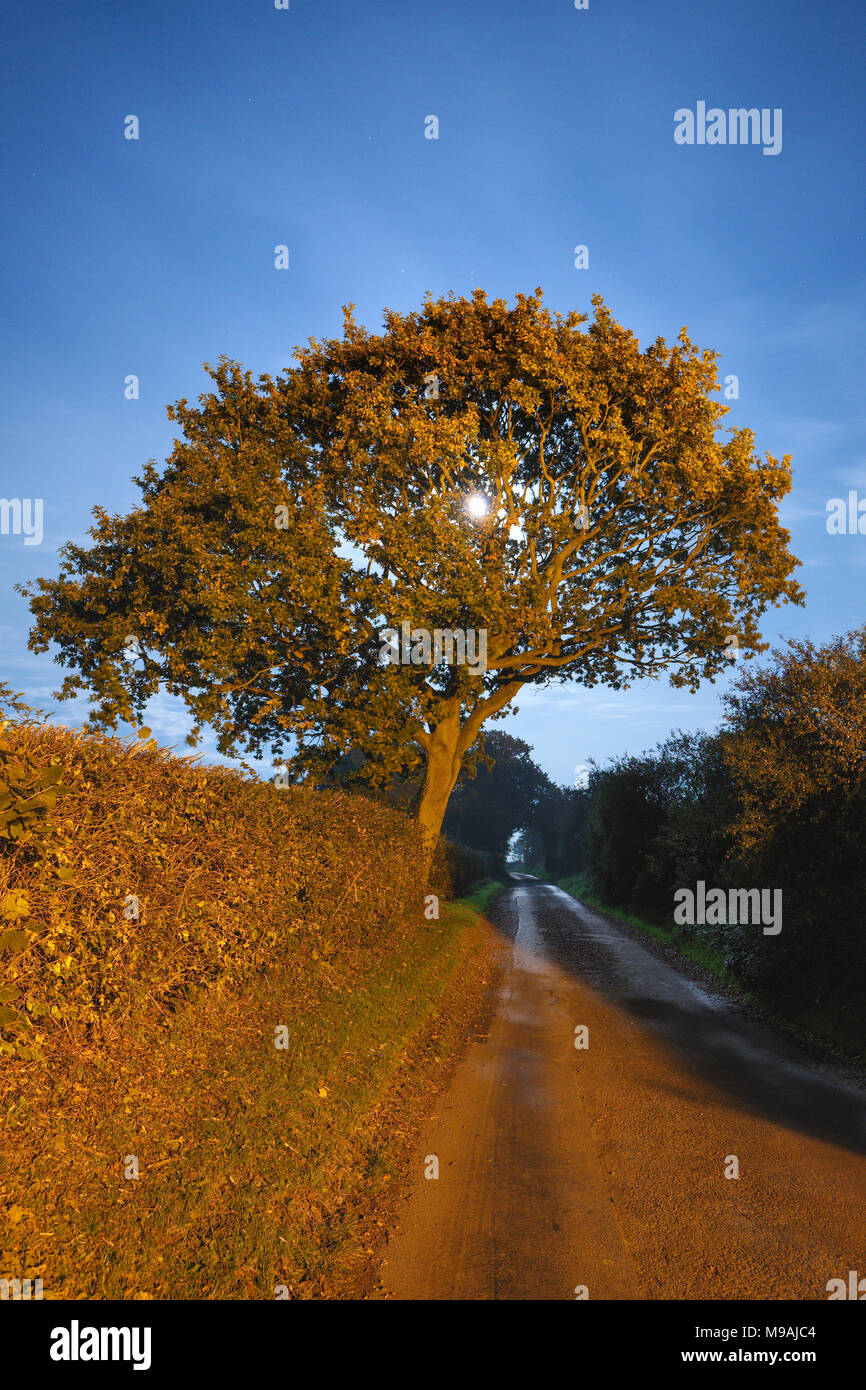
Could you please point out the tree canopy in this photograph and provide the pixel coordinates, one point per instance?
(511, 471)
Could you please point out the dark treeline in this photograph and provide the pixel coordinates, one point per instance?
(507, 792)
(775, 800)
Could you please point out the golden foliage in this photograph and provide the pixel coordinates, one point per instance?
(260, 906)
(163, 878)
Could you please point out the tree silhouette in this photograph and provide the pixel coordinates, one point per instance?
(502, 797)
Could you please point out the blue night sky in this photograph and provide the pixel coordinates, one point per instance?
(305, 127)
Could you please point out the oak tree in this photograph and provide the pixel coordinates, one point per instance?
(477, 467)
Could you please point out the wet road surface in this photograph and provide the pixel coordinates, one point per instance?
(607, 1170)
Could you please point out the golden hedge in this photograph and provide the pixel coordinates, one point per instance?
(152, 877)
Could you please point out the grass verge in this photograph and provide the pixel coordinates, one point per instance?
(483, 894)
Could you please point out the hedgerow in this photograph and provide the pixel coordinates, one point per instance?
(149, 878)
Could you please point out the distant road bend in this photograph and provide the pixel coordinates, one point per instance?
(604, 1169)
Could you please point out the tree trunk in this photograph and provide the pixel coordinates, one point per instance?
(442, 771)
(448, 743)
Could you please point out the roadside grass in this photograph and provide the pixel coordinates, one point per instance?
(483, 894)
(701, 952)
(263, 1171)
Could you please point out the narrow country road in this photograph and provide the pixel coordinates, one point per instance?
(600, 1172)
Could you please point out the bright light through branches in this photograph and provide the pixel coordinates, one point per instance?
(477, 505)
